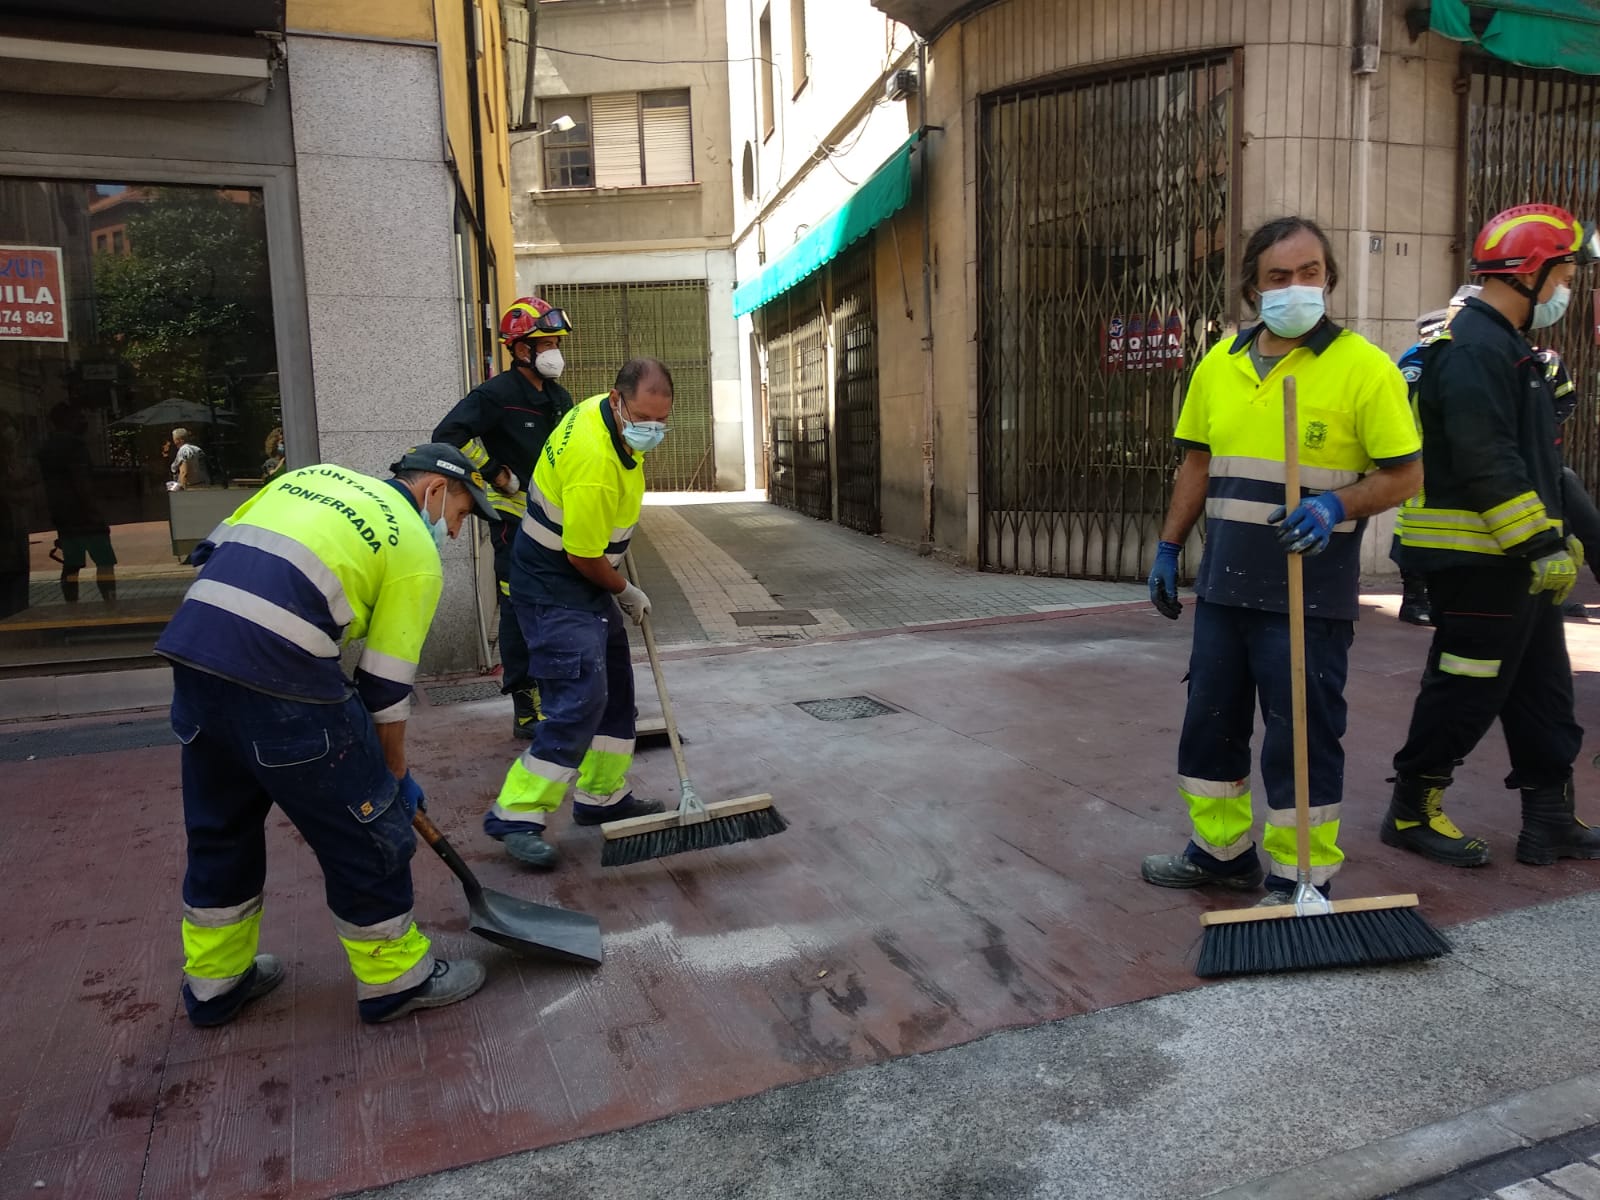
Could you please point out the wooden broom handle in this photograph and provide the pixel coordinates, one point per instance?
(1297, 635)
(661, 684)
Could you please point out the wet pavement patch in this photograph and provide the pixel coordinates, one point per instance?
(846, 708)
(460, 693)
(75, 739)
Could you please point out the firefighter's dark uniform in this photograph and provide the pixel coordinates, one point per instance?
(1491, 506)
(503, 422)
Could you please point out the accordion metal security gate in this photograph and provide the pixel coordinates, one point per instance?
(614, 322)
(822, 395)
(1106, 229)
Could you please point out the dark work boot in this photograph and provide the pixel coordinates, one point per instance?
(599, 814)
(1414, 608)
(1416, 822)
(530, 849)
(1551, 829)
(1181, 871)
(69, 587)
(525, 713)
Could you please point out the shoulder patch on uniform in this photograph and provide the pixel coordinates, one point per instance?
(1411, 371)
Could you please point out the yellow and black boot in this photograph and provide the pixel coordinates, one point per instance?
(1551, 829)
(1416, 821)
(525, 712)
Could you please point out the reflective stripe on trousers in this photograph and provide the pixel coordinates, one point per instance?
(386, 958)
(219, 946)
(583, 667)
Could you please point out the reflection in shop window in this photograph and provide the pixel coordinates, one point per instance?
(151, 415)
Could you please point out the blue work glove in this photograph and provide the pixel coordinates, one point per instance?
(411, 796)
(1164, 581)
(1308, 528)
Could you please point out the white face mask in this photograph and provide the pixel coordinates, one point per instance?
(550, 364)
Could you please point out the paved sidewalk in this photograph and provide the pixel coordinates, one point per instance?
(945, 980)
(703, 563)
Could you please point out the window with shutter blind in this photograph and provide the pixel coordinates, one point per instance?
(668, 147)
(620, 140)
(617, 162)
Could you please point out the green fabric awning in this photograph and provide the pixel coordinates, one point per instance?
(881, 196)
(1531, 33)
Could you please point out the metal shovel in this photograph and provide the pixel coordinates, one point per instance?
(534, 929)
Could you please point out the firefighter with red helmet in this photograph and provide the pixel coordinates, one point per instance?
(502, 425)
(1488, 533)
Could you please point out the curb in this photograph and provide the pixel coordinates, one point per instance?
(1425, 1153)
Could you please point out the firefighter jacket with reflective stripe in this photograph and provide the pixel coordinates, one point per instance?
(316, 557)
(503, 422)
(1491, 467)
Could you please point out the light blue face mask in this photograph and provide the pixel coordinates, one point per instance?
(440, 528)
(641, 436)
(1294, 310)
(1547, 312)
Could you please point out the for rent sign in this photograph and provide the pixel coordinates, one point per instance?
(33, 307)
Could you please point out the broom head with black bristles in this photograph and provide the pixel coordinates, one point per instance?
(692, 826)
(1314, 932)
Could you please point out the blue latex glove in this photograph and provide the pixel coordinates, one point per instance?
(1308, 528)
(411, 796)
(1164, 581)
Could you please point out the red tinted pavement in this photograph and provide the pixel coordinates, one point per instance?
(963, 865)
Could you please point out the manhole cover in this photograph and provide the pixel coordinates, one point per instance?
(846, 708)
(775, 616)
(459, 693)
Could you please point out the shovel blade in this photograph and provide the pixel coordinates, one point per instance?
(538, 930)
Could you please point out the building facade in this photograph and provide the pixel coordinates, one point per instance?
(265, 224)
(1080, 184)
(625, 218)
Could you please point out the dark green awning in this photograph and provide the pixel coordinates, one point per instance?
(1531, 33)
(881, 196)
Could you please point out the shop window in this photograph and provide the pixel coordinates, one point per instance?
(127, 312)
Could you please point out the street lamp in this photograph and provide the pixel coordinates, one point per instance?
(560, 125)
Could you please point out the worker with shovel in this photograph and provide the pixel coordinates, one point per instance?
(1499, 559)
(1354, 416)
(265, 715)
(583, 506)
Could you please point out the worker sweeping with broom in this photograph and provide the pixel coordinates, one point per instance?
(1360, 451)
(583, 505)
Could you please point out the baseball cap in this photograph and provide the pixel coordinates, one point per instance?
(444, 459)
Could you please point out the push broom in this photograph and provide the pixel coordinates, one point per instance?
(695, 825)
(1312, 931)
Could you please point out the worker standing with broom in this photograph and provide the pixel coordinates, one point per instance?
(1355, 417)
(1489, 535)
(583, 506)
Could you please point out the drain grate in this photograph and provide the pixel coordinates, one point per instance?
(460, 693)
(846, 708)
(775, 616)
